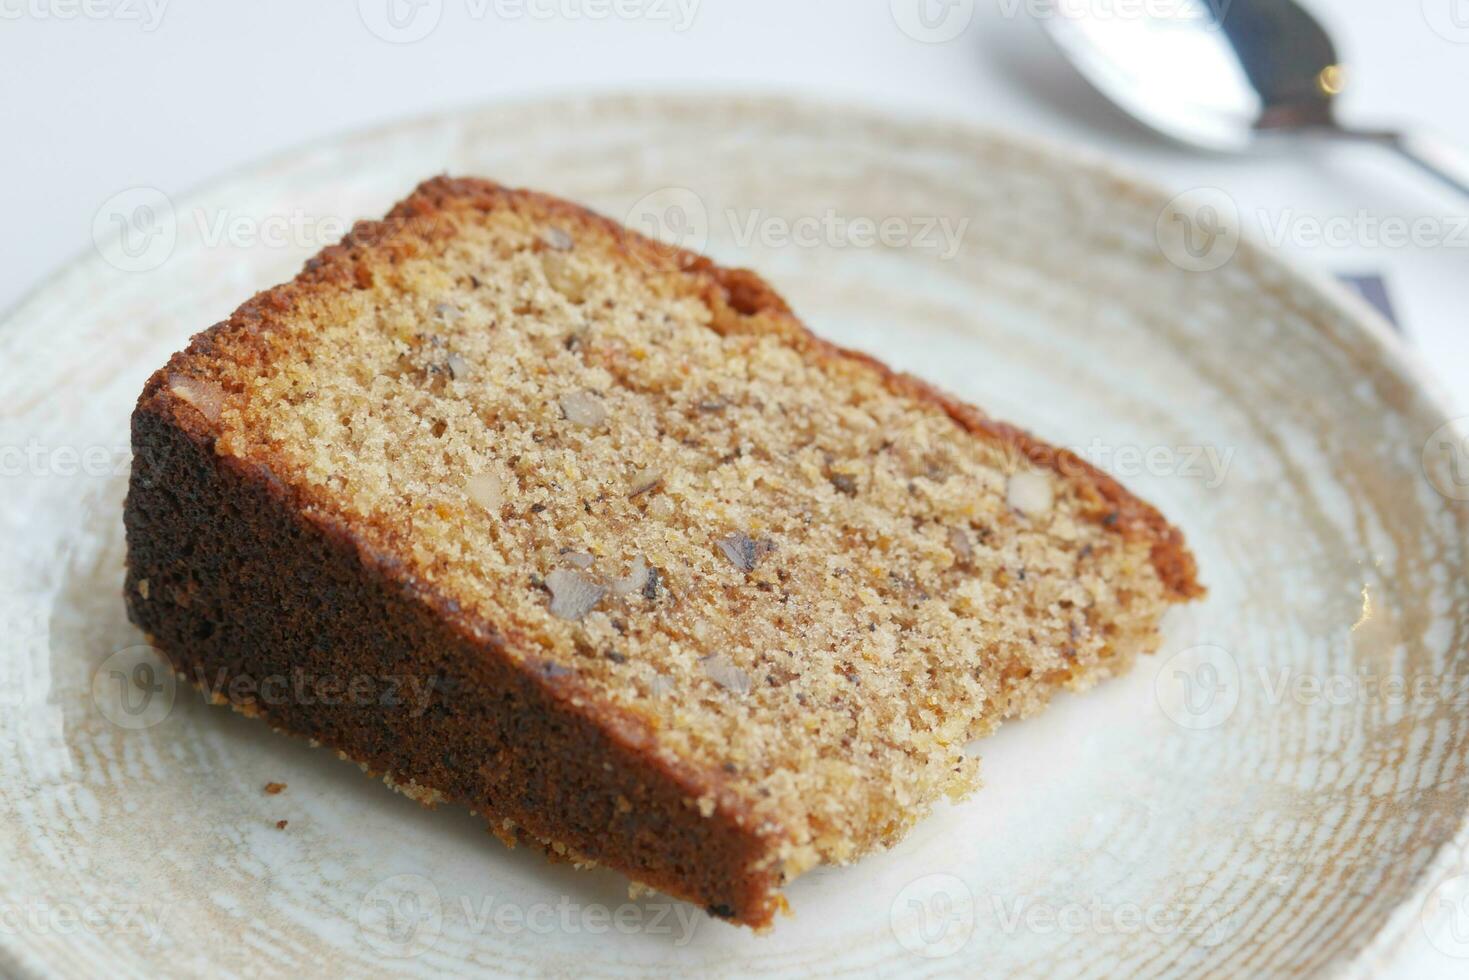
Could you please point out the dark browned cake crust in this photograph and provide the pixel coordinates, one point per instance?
(281, 614)
(264, 588)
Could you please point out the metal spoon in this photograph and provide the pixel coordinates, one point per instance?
(1227, 75)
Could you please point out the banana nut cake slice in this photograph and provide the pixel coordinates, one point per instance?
(676, 587)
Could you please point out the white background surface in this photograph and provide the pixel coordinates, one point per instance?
(114, 96)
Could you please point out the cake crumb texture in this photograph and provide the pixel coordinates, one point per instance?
(795, 579)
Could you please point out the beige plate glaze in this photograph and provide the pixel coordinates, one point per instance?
(1259, 797)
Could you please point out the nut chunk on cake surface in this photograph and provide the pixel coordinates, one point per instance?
(593, 536)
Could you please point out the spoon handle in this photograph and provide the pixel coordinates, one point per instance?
(1431, 153)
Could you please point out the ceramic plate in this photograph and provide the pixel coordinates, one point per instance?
(1282, 788)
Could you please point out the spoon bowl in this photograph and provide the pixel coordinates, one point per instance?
(1226, 75)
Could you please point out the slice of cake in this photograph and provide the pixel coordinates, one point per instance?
(520, 510)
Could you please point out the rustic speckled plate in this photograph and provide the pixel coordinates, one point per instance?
(1282, 788)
